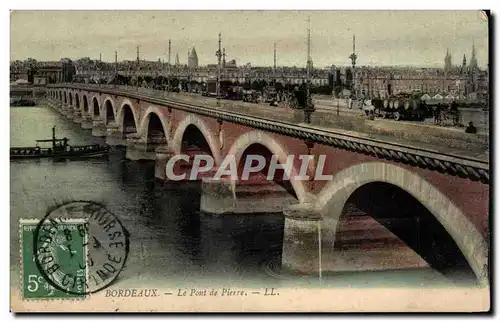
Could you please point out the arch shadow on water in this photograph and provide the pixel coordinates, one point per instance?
(155, 130)
(194, 138)
(279, 174)
(109, 112)
(95, 106)
(412, 223)
(128, 125)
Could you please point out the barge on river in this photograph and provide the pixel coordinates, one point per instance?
(60, 150)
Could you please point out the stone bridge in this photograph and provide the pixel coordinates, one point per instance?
(441, 177)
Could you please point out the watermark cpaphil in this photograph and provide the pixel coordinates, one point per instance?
(106, 247)
(294, 167)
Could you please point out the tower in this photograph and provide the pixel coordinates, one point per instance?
(177, 59)
(137, 55)
(464, 64)
(473, 60)
(447, 61)
(193, 59)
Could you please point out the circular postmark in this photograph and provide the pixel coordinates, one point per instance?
(80, 247)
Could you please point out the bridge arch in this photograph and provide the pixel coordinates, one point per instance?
(334, 196)
(269, 142)
(210, 138)
(127, 118)
(108, 111)
(154, 116)
(96, 113)
(85, 104)
(77, 102)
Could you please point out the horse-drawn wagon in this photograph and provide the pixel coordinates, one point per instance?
(403, 107)
(446, 114)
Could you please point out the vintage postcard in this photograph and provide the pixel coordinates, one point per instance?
(250, 161)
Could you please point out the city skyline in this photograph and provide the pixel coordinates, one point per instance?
(393, 38)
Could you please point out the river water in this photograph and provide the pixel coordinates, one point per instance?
(172, 245)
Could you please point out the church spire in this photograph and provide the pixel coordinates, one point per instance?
(473, 60)
(447, 60)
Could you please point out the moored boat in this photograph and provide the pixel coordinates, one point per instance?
(60, 149)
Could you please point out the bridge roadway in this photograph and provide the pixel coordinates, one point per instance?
(430, 140)
(447, 171)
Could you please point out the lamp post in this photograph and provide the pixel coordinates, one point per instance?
(116, 69)
(353, 58)
(168, 70)
(137, 70)
(309, 108)
(218, 53)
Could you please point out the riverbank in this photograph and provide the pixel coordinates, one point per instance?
(23, 102)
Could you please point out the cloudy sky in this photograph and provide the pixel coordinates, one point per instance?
(382, 37)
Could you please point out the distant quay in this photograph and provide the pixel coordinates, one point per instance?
(27, 95)
(23, 102)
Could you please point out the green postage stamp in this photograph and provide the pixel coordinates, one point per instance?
(51, 252)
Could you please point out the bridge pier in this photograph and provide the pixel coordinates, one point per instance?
(113, 135)
(70, 114)
(51, 103)
(220, 196)
(65, 109)
(56, 105)
(163, 154)
(68, 111)
(86, 121)
(137, 149)
(307, 241)
(77, 116)
(98, 128)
